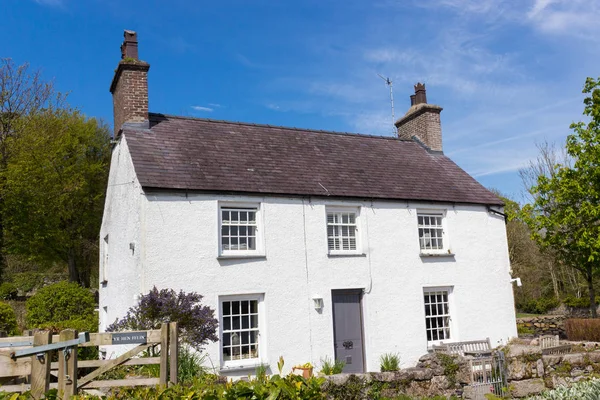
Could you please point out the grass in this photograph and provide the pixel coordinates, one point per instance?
(526, 315)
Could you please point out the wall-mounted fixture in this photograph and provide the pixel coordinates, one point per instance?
(132, 247)
(318, 302)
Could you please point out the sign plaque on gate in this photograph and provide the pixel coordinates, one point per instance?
(129, 338)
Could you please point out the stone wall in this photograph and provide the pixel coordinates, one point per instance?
(533, 373)
(528, 373)
(434, 375)
(546, 325)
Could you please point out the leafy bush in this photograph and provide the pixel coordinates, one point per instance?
(586, 390)
(389, 362)
(577, 302)
(583, 329)
(197, 323)
(88, 323)
(538, 306)
(329, 367)
(62, 303)
(8, 291)
(8, 320)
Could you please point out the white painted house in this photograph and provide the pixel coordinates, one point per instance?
(308, 244)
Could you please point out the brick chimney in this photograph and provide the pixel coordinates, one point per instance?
(421, 121)
(129, 86)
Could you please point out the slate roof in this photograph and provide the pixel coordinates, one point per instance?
(180, 153)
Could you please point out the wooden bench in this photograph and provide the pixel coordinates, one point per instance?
(550, 344)
(469, 348)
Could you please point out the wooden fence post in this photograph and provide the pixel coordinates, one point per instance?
(164, 354)
(40, 368)
(173, 352)
(67, 366)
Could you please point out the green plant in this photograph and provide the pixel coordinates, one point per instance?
(329, 367)
(8, 291)
(524, 330)
(58, 304)
(450, 366)
(585, 390)
(27, 281)
(577, 302)
(261, 373)
(389, 362)
(583, 329)
(8, 320)
(190, 364)
(539, 306)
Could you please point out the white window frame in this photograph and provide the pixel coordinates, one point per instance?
(262, 343)
(358, 232)
(259, 237)
(450, 315)
(445, 239)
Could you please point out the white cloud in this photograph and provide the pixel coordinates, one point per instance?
(203, 109)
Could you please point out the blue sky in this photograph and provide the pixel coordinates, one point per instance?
(508, 73)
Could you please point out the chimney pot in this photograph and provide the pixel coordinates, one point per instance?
(129, 48)
(412, 100)
(420, 94)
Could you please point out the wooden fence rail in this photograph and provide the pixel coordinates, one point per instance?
(39, 366)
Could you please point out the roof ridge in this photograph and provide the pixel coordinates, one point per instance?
(291, 128)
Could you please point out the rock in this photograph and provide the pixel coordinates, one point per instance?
(561, 381)
(534, 342)
(384, 376)
(577, 372)
(439, 384)
(416, 374)
(518, 370)
(540, 368)
(338, 379)
(551, 361)
(594, 356)
(527, 387)
(574, 359)
(589, 369)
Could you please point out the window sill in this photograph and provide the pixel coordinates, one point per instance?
(336, 255)
(240, 256)
(436, 254)
(243, 367)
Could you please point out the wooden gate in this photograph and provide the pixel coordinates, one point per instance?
(39, 370)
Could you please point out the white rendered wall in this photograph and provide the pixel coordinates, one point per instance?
(178, 243)
(122, 223)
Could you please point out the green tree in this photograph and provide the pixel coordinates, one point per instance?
(564, 215)
(53, 189)
(22, 93)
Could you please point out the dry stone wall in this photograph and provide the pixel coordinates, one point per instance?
(545, 325)
(528, 372)
(532, 373)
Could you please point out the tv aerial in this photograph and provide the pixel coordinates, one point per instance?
(389, 83)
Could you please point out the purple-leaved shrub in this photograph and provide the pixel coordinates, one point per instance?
(197, 323)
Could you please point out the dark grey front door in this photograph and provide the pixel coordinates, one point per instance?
(347, 328)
